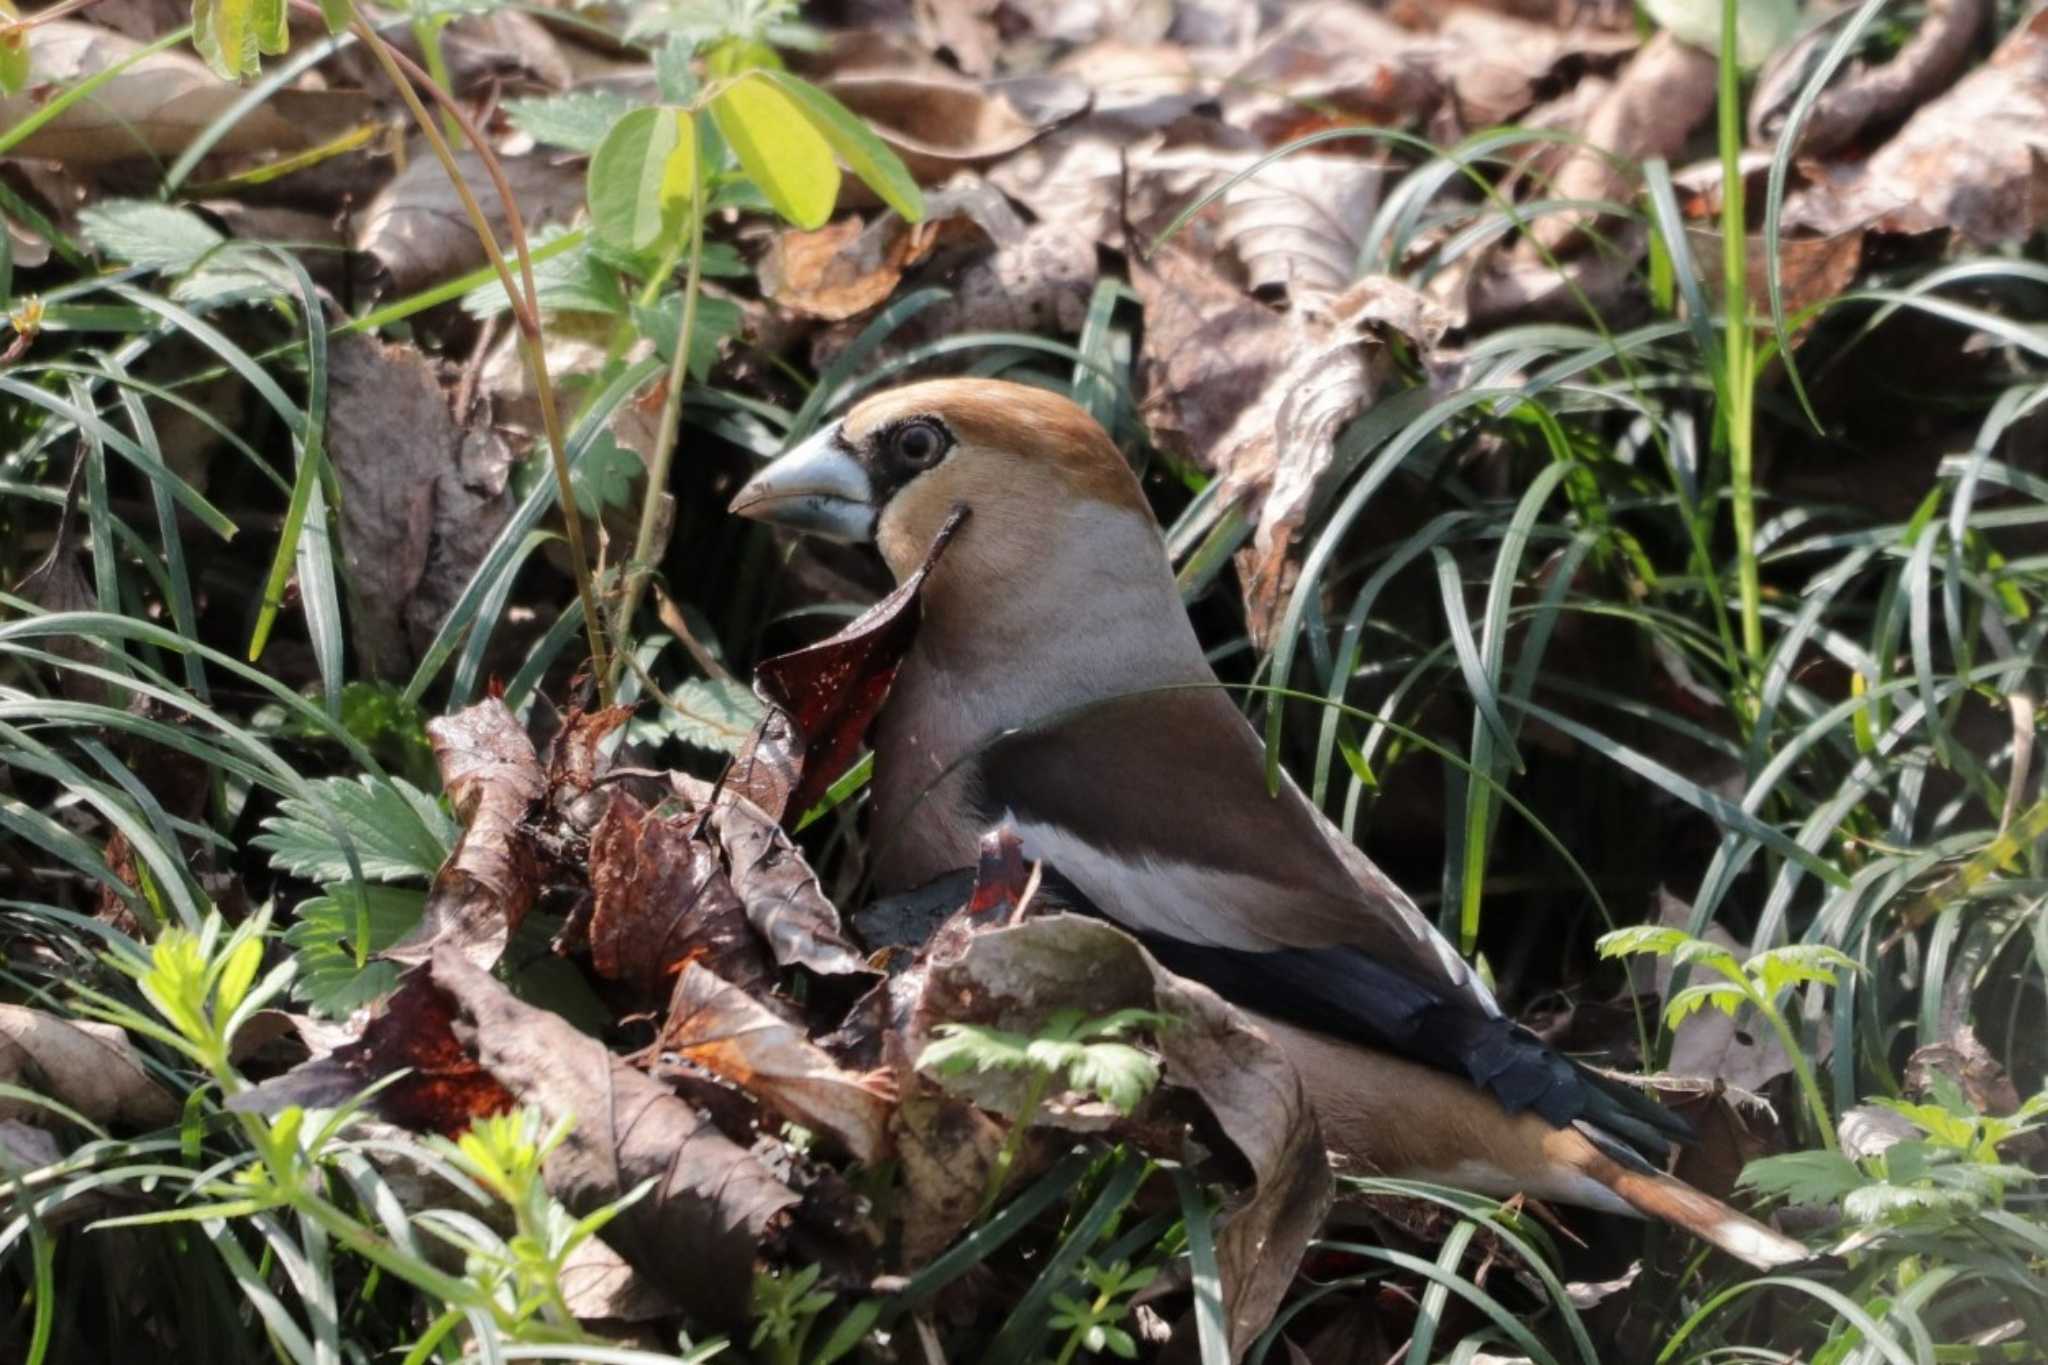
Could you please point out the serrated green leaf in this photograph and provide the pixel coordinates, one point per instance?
(866, 155)
(138, 232)
(1116, 1072)
(323, 942)
(576, 121)
(606, 475)
(399, 832)
(1725, 997)
(779, 148)
(1642, 938)
(576, 281)
(716, 320)
(716, 714)
(1804, 1177)
(642, 178)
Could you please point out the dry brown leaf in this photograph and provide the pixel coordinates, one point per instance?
(1331, 64)
(416, 232)
(1866, 95)
(1259, 397)
(947, 1149)
(1498, 66)
(939, 123)
(1015, 977)
(493, 778)
(1974, 161)
(843, 268)
(1650, 110)
(89, 1067)
(420, 505)
(726, 1031)
(155, 107)
(661, 898)
(781, 895)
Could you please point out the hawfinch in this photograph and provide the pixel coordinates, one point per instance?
(1057, 682)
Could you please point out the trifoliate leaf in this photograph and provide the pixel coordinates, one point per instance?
(779, 148)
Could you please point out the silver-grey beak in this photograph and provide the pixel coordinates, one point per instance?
(818, 487)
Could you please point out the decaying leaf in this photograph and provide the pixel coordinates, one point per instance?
(1974, 161)
(1258, 397)
(87, 1067)
(662, 898)
(416, 232)
(843, 268)
(939, 123)
(1865, 95)
(419, 509)
(696, 1233)
(820, 700)
(445, 1088)
(155, 107)
(1015, 977)
(780, 893)
(493, 778)
(725, 1030)
(1650, 110)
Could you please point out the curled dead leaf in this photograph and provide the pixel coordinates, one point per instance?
(939, 123)
(493, 778)
(820, 700)
(723, 1029)
(661, 897)
(843, 268)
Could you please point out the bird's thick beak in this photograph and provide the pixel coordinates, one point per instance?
(819, 487)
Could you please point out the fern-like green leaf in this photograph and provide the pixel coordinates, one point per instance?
(399, 832)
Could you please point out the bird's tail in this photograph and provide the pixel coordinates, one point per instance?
(1657, 1195)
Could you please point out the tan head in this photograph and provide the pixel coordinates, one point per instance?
(895, 467)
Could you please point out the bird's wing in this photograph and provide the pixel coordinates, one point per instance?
(1179, 841)
(1156, 804)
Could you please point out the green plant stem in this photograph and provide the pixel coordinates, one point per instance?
(402, 73)
(1013, 1142)
(1738, 396)
(639, 568)
(1809, 1086)
(427, 32)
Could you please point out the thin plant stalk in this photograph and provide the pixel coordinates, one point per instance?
(640, 567)
(402, 73)
(1738, 393)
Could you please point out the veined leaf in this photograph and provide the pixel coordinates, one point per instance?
(643, 177)
(866, 155)
(781, 149)
(333, 980)
(398, 830)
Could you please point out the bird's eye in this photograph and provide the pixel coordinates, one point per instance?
(918, 443)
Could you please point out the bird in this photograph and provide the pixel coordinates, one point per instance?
(1056, 682)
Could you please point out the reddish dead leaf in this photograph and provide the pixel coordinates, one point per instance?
(1001, 880)
(493, 778)
(574, 763)
(444, 1091)
(822, 698)
(662, 898)
(725, 1030)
